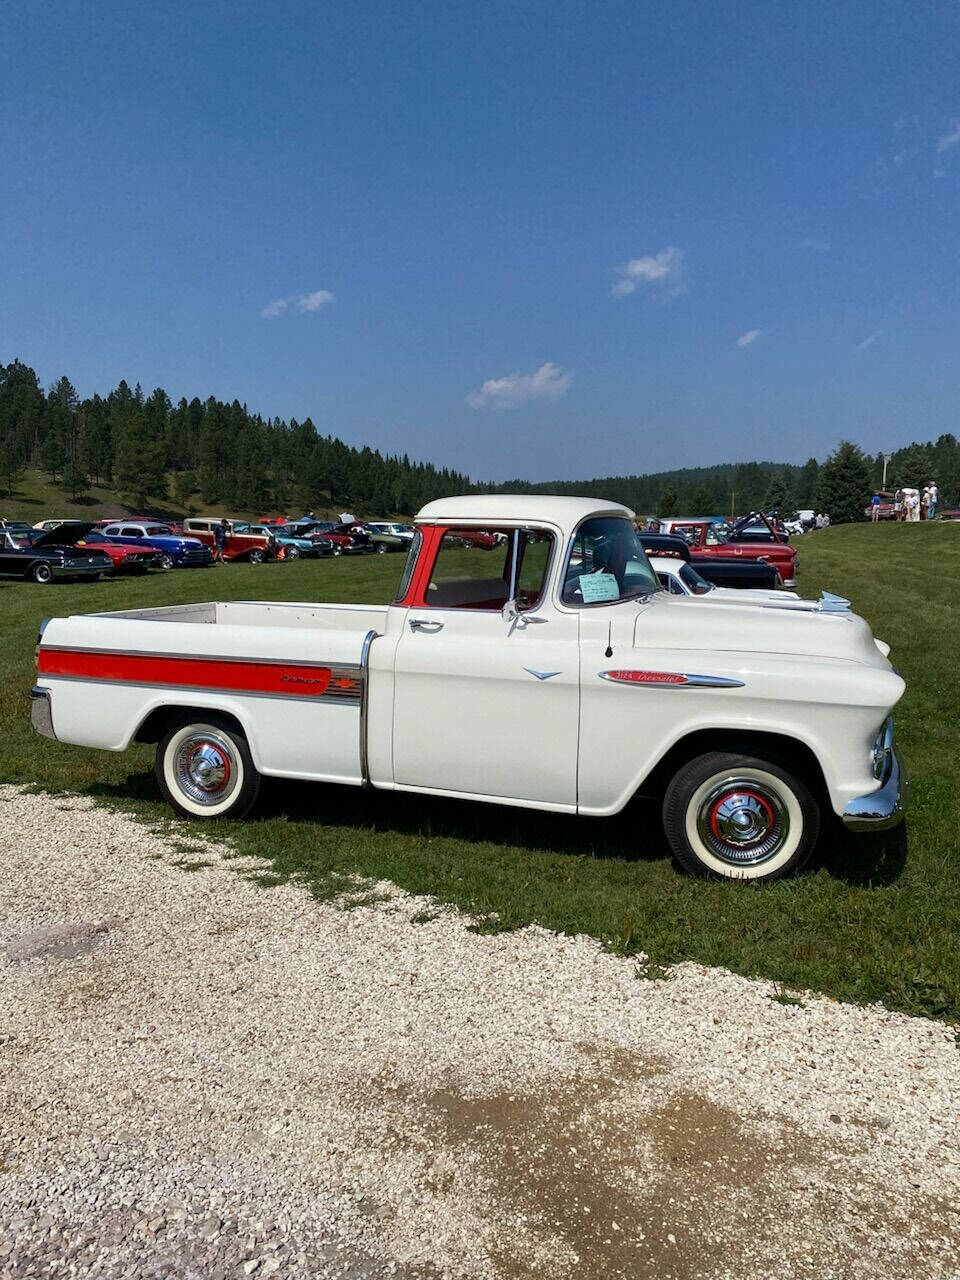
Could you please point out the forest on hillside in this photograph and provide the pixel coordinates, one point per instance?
(152, 450)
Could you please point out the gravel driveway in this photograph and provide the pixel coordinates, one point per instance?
(203, 1078)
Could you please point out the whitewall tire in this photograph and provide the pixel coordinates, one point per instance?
(205, 770)
(733, 817)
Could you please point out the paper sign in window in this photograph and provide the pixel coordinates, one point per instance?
(598, 586)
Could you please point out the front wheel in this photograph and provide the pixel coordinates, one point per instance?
(205, 770)
(731, 817)
(256, 556)
(381, 548)
(42, 573)
(167, 561)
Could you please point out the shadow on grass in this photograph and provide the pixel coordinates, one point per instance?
(864, 861)
(635, 835)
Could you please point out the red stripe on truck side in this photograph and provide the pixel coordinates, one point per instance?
(199, 673)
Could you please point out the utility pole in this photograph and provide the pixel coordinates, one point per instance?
(886, 458)
(733, 504)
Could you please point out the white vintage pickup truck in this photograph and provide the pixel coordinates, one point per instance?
(530, 658)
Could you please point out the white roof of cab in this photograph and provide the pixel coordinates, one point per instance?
(524, 508)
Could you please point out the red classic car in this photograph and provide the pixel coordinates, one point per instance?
(254, 547)
(125, 559)
(705, 539)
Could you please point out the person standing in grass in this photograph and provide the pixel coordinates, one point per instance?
(875, 508)
(220, 535)
(934, 499)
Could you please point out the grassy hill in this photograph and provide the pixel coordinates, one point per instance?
(35, 497)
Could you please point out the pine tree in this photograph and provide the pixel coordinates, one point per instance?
(844, 486)
(668, 503)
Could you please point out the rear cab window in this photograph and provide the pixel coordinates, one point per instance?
(475, 568)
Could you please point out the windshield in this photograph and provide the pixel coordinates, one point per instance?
(698, 585)
(607, 564)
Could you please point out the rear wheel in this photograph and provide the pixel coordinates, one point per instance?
(740, 818)
(381, 548)
(205, 770)
(42, 573)
(292, 553)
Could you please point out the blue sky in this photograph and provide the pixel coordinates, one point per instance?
(547, 241)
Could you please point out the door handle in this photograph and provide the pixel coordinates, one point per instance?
(429, 625)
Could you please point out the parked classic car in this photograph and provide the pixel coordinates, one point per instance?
(174, 549)
(240, 543)
(289, 546)
(41, 556)
(123, 559)
(682, 578)
(706, 539)
(403, 531)
(344, 543)
(381, 540)
(754, 725)
(740, 575)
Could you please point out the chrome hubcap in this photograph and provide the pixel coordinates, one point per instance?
(743, 822)
(205, 768)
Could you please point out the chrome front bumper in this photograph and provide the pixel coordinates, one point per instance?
(41, 715)
(886, 806)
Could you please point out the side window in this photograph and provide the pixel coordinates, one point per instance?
(112, 530)
(474, 568)
(712, 539)
(128, 531)
(413, 554)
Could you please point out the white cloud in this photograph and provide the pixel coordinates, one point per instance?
(746, 339)
(821, 246)
(661, 268)
(549, 382)
(302, 301)
(949, 139)
(868, 342)
(314, 301)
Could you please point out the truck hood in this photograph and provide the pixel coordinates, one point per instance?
(799, 628)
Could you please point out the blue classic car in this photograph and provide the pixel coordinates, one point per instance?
(173, 548)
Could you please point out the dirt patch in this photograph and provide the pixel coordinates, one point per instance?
(60, 941)
(598, 1179)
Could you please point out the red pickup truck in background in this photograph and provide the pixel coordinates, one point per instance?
(705, 539)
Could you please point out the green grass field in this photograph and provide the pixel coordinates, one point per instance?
(877, 918)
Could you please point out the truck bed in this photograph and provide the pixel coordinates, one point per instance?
(299, 671)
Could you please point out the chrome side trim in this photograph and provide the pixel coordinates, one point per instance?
(41, 713)
(348, 698)
(368, 640)
(674, 680)
(886, 806)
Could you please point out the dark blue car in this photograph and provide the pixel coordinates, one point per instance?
(173, 548)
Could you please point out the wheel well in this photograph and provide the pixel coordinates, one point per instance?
(776, 747)
(161, 718)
